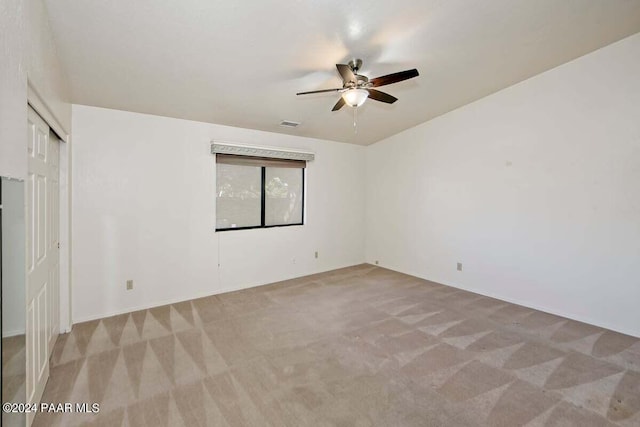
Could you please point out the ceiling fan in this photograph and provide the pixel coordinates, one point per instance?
(356, 88)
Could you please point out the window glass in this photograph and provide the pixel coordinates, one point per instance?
(283, 200)
(239, 196)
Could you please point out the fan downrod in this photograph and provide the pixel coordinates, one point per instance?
(355, 65)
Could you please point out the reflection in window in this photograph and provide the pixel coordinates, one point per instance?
(283, 188)
(238, 201)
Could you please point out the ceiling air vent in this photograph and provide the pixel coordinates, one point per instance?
(289, 124)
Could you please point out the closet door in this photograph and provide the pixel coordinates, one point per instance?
(42, 253)
(53, 229)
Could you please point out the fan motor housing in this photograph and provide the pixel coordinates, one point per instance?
(360, 82)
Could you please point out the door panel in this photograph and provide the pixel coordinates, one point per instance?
(42, 255)
(29, 222)
(41, 213)
(53, 228)
(30, 351)
(43, 332)
(42, 144)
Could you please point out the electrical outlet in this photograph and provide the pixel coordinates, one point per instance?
(459, 266)
(129, 285)
(294, 260)
(316, 254)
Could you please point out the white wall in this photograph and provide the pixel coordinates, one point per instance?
(13, 90)
(44, 69)
(535, 189)
(13, 262)
(144, 209)
(27, 49)
(29, 57)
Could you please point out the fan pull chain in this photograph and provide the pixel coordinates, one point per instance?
(355, 114)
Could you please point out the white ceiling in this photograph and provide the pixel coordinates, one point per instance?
(241, 63)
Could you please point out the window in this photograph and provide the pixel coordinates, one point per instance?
(255, 192)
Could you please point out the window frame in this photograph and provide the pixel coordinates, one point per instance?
(263, 200)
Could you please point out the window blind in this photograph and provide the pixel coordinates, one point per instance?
(231, 159)
(257, 151)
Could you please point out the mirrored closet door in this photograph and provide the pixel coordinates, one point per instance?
(12, 277)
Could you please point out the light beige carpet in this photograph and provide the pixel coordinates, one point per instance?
(353, 347)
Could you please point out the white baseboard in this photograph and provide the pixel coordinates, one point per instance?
(195, 296)
(571, 316)
(9, 334)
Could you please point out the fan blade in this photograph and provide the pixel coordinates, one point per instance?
(394, 78)
(346, 73)
(319, 91)
(339, 104)
(381, 96)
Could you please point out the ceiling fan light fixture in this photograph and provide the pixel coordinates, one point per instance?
(356, 88)
(355, 97)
